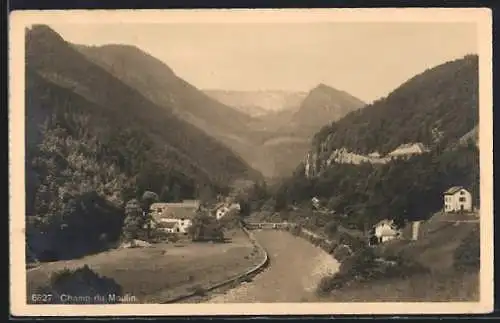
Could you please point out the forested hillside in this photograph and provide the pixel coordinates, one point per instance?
(438, 105)
(402, 189)
(94, 142)
(438, 108)
(156, 81)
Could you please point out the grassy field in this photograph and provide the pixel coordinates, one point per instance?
(162, 271)
(438, 239)
(435, 248)
(444, 278)
(448, 286)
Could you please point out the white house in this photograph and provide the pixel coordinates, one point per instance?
(408, 150)
(384, 231)
(316, 202)
(457, 198)
(169, 226)
(180, 213)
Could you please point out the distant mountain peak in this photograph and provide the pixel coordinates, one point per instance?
(325, 104)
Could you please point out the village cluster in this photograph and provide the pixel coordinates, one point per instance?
(178, 217)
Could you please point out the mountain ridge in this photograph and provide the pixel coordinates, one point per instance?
(419, 110)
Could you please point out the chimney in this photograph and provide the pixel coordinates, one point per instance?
(415, 227)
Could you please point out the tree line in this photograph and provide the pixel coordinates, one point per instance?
(403, 190)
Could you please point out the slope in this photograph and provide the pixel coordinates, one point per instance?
(157, 82)
(437, 106)
(56, 61)
(325, 104)
(287, 134)
(93, 142)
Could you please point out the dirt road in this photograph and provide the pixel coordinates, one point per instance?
(294, 270)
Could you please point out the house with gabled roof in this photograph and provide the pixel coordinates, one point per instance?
(181, 213)
(457, 199)
(408, 150)
(384, 231)
(169, 226)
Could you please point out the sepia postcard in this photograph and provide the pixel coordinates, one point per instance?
(251, 162)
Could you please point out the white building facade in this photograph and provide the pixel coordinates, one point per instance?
(457, 199)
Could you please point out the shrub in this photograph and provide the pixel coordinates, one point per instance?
(83, 283)
(331, 229)
(330, 247)
(341, 253)
(158, 235)
(173, 237)
(402, 268)
(359, 264)
(206, 228)
(327, 284)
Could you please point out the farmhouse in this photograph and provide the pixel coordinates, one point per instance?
(384, 231)
(457, 199)
(408, 150)
(180, 213)
(169, 226)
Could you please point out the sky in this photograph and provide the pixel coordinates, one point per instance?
(368, 60)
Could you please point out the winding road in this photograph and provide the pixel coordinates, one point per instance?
(292, 275)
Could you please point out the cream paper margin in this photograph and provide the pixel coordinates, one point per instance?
(20, 19)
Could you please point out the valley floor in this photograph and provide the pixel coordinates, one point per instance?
(163, 271)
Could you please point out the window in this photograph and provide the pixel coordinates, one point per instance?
(462, 193)
(462, 199)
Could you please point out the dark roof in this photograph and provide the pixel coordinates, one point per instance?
(179, 212)
(453, 190)
(169, 225)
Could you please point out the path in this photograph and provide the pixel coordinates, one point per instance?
(293, 273)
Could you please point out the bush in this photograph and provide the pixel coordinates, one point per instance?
(327, 284)
(341, 253)
(158, 235)
(330, 247)
(206, 228)
(359, 264)
(353, 242)
(173, 237)
(402, 268)
(83, 283)
(331, 229)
